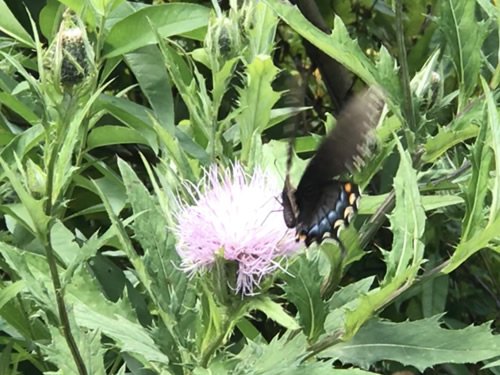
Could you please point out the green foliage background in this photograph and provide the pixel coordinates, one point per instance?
(109, 106)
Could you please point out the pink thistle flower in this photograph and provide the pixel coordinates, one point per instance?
(236, 217)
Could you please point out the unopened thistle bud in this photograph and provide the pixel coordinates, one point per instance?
(74, 64)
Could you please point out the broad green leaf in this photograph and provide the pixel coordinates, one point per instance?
(84, 288)
(302, 288)
(154, 82)
(131, 114)
(48, 18)
(407, 221)
(89, 345)
(446, 139)
(464, 36)
(256, 100)
(115, 193)
(135, 30)
(130, 336)
(494, 127)
(108, 135)
(421, 344)
(10, 26)
(274, 311)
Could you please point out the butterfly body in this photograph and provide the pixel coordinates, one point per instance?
(322, 205)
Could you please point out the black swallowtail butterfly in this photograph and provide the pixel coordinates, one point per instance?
(322, 205)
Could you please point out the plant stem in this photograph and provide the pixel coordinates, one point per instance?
(49, 252)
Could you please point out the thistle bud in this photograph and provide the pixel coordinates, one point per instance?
(69, 59)
(222, 42)
(74, 64)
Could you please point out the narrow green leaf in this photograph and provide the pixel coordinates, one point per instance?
(421, 344)
(369, 304)
(492, 112)
(407, 221)
(302, 288)
(34, 207)
(346, 299)
(370, 203)
(19, 107)
(10, 26)
(479, 241)
(274, 311)
(445, 139)
(477, 188)
(134, 31)
(10, 291)
(465, 37)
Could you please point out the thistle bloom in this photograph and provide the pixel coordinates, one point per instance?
(237, 217)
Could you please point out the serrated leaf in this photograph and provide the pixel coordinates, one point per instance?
(407, 221)
(446, 139)
(131, 337)
(258, 358)
(274, 311)
(34, 271)
(168, 282)
(89, 345)
(256, 100)
(303, 289)
(337, 45)
(421, 344)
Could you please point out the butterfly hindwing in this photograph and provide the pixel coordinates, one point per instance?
(322, 205)
(334, 206)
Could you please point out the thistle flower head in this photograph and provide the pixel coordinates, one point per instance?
(237, 217)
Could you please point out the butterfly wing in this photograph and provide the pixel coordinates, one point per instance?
(324, 205)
